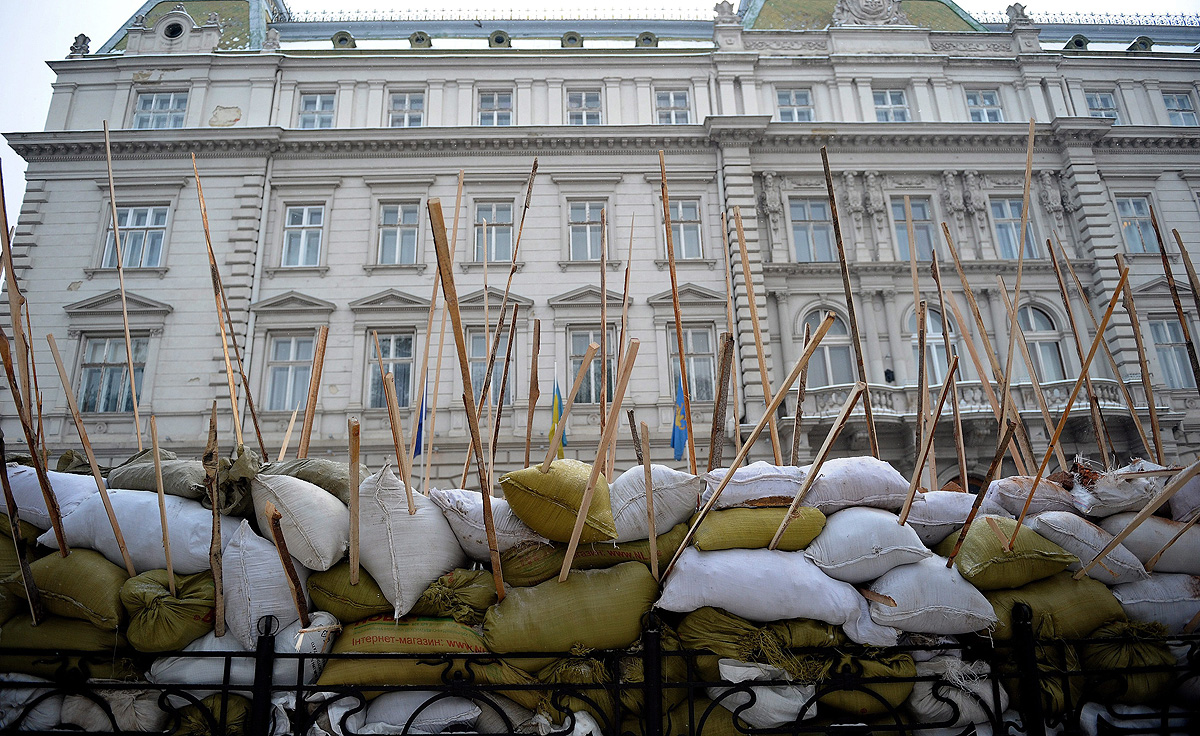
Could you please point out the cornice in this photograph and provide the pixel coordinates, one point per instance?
(1148, 138)
(956, 137)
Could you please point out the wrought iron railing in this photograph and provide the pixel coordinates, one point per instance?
(1099, 19)
(496, 14)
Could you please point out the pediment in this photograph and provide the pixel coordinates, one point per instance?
(584, 296)
(389, 300)
(474, 300)
(292, 302)
(1159, 286)
(109, 303)
(689, 294)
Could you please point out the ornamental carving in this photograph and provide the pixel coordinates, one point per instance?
(874, 196)
(869, 13)
(952, 196)
(1005, 182)
(911, 181)
(971, 47)
(80, 47)
(781, 44)
(852, 197)
(771, 199)
(1050, 195)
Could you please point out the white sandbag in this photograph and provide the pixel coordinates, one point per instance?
(133, 710)
(936, 515)
(1150, 536)
(769, 585)
(1011, 493)
(931, 599)
(70, 490)
(675, 497)
(404, 552)
(966, 685)
(774, 705)
(856, 481)
(390, 713)
(190, 525)
(1096, 719)
(1115, 492)
(499, 714)
(1186, 502)
(860, 544)
(1170, 599)
(757, 484)
(1085, 540)
(464, 510)
(315, 524)
(255, 585)
(44, 716)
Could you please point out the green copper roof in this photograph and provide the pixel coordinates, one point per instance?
(807, 15)
(234, 14)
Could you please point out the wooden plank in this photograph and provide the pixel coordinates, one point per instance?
(959, 444)
(924, 453)
(210, 463)
(162, 504)
(716, 437)
(584, 367)
(354, 431)
(801, 386)
(1183, 319)
(534, 392)
(645, 458)
(314, 387)
(289, 568)
(683, 377)
(763, 374)
(33, 596)
(1147, 381)
(437, 370)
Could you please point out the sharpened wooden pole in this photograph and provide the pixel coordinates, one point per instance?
(512, 339)
(389, 392)
(603, 318)
(759, 348)
(437, 369)
(314, 387)
(1147, 382)
(584, 367)
(534, 391)
(928, 443)
(959, 445)
(683, 376)
(289, 568)
(1153, 561)
(731, 326)
(33, 596)
(287, 436)
(354, 430)
(716, 437)
(162, 504)
(922, 375)
(210, 463)
(633, 432)
(1190, 267)
(645, 459)
(16, 301)
(1183, 319)
(993, 469)
(801, 387)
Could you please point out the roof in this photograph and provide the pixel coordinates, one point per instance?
(804, 15)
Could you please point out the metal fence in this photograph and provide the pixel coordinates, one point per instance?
(1099, 19)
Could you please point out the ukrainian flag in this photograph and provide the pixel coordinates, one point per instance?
(556, 409)
(679, 431)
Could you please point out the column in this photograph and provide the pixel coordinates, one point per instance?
(285, 105)
(868, 318)
(866, 100)
(900, 362)
(825, 102)
(60, 105)
(377, 105)
(1135, 112)
(999, 321)
(847, 106)
(645, 101)
(197, 95)
(344, 104)
(925, 111)
(702, 88)
(541, 103)
(434, 106)
(1013, 107)
(947, 110)
(1032, 91)
(726, 104)
(1158, 106)
(524, 102)
(751, 99)
(465, 114)
(121, 106)
(612, 100)
(788, 340)
(556, 104)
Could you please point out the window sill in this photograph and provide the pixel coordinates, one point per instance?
(400, 267)
(498, 266)
(662, 263)
(159, 271)
(277, 270)
(587, 265)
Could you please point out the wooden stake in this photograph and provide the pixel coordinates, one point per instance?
(512, 338)
(37, 392)
(15, 302)
(716, 438)
(412, 449)
(287, 436)
(91, 456)
(437, 371)
(610, 428)
(32, 595)
(314, 386)
(645, 460)
(855, 340)
(826, 323)
(389, 392)
(603, 318)
(162, 504)
(534, 392)
(1147, 383)
(764, 376)
(993, 469)
(552, 450)
(801, 387)
(209, 460)
(289, 569)
(612, 454)
(683, 377)
(1158, 555)
(959, 444)
(1190, 267)
(924, 453)
(731, 326)
(354, 430)
(923, 375)
(1183, 320)
(445, 265)
(815, 470)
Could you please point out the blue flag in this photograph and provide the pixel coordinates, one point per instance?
(679, 431)
(556, 409)
(421, 422)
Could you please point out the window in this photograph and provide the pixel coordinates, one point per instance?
(583, 107)
(589, 390)
(1006, 216)
(936, 360)
(891, 106)
(812, 231)
(1172, 353)
(407, 110)
(698, 345)
(831, 362)
(143, 230)
(1102, 105)
(795, 105)
(1043, 338)
(923, 227)
(288, 372)
(316, 111)
(495, 108)
(498, 217)
(585, 230)
(160, 110)
(1180, 109)
(984, 106)
(104, 382)
(685, 228)
(398, 233)
(477, 346)
(1136, 226)
(302, 235)
(397, 351)
(672, 107)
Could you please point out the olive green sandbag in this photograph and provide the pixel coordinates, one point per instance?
(1059, 678)
(714, 630)
(861, 703)
(1122, 645)
(10, 605)
(463, 595)
(331, 591)
(674, 670)
(986, 564)
(596, 609)
(161, 622)
(331, 475)
(1063, 607)
(83, 585)
(180, 477)
(593, 683)
(232, 710)
(755, 528)
(10, 563)
(530, 563)
(549, 502)
(29, 532)
(58, 633)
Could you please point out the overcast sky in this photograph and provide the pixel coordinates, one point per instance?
(36, 30)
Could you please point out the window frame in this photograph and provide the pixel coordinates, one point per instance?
(473, 361)
(793, 106)
(381, 228)
(1039, 340)
(832, 340)
(678, 223)
(391, 111)
(1186, 116)
(117, 339)
(900, 228)
(673, 110)
(1112, 95)
(292, 363)
(981, 106)
(592, 227)
(1144, 227)
(495, 112)
(404, 387)
(792, 227)
(182, 113)
(106, 238)
(888, 109)
(584, 111)
(306, 205)
(587, 394)
(693, 357)
(1032, 244)
(937, 361)
(1178, 366)
(477, 227)
(318, 113)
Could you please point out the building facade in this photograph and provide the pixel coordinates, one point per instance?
(321, 141)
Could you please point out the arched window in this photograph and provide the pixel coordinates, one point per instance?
(832, 362)
(936, 360)
(1043, 338)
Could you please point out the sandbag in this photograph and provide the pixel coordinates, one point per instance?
(180, 477)
(464, 510)
(752, 528)
(414, 712)
(57, 632)
(930, 599)
(675, 496)
(860, 544)
(161, 622)
(935, 515)
(255, 585)
(132, 710)
(1128, 646)
(28, 531)
(758, 484)
(733, 637)
(962, 693)
(549, 502)
(331, 591)
(70, 490)
(44, 716)
(137, 512)
(592, 694)
(597, 609)
(769, 585)
(82, 585)
(1085, 540)
(532, 563)
(234, 475)
(232, 712)
(1059, 684)
(773, 705)
(858, 702)
(315, 525)
(1170, 599)
(463, 595)
(1115, 492)
(499, 714)
(986, 564)
(1186, 502)
(1150, 536)
(1011, 493)
(331, 475)
(403, 552)
(856, 481)
(1063, 608)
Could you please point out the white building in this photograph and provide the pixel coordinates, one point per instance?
(320, 142)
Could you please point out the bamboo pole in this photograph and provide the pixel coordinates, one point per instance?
(352, 426)
(91, 456)
(33, 596)
(801, 387)
(855, 339)
(786, 386)
(645, 459)
(314, 386)
(1183, 320)
(1147, 383)
(209, 460)
(445, 265)
(730, 325)
(994, 468)
(764, 376)
(716, 439)
(610, 428)
(924, 453)
(959, 444)
(437, 370)
(588, 356)
(15, 302)
(1062, 422)
(289, 569)
(287, 436)
(534, 392)
(811, 476)
(162, 504)
(1190, 267)
(683, 376)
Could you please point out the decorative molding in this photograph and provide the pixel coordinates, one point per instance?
(869, 13)
(292, 302)
(973, 48)
(474, 300)
(786, 44)
(908, 181)
(585, 296)
(389, 300)
(108, 305)
(689, 294)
